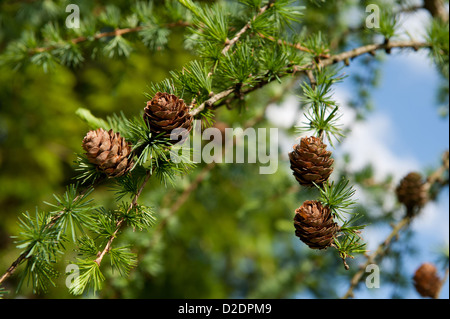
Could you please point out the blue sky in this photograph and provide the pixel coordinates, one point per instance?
(408, 134)
(405, 133)
(406, 129)
(407, 94)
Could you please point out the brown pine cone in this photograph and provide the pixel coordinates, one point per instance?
(411, 192)
(108, 151)
(166, 112)
(426, 281)
(311, 162)
(436, 9)
(314, 225)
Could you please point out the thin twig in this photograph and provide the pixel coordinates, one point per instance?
(116, 32)
(352, 30)
(378, 253)
(51, 223)
(14, 265)
(372, 48)
(211, 101)
(246, 27)
(312, 79)
(297, 46)
(180, 201)
(205, 170)
(230, 43)
(344, 56)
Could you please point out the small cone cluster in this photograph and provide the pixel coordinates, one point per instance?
(411, 192)
(426, 281)
(165, 113)
(311, 162)
(108, 151)
(314, 225)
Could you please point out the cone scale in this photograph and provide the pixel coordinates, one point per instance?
(108, 151)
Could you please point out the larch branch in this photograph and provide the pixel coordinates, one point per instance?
(116, 32)
(205, 170)
(344, 56)
(50, 224)
(121, 221)
(246, 27)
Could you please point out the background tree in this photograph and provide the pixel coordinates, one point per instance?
(214, 231)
